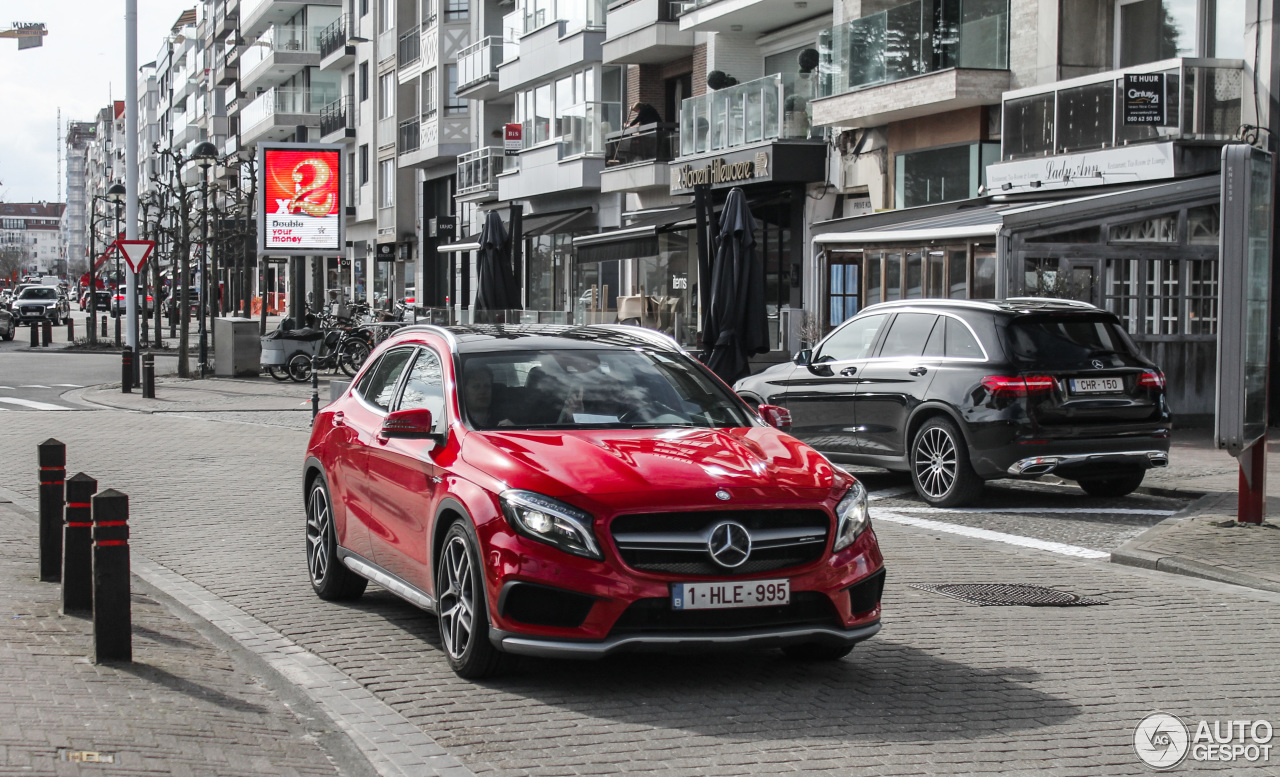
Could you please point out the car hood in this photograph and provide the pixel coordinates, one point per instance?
(616, 461)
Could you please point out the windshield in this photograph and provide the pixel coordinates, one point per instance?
(40, 292)
(592, 389)
(1073, 340)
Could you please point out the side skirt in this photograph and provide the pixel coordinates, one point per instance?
(371, 571)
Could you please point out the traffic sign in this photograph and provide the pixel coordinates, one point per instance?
(135, 252)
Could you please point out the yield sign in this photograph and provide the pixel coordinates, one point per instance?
(135, 252)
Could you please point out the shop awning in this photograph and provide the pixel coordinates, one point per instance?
(638, 239)
(961, 225)
(535, 224)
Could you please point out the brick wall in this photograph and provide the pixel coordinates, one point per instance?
(645, 84)
(699, 69)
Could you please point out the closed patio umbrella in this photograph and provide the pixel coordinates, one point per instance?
(735, 326)
(497, 289)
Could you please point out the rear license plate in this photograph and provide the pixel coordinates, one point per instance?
(1096, 385)
(715, 596)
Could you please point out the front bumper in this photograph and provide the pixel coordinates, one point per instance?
(27, 318)
(1066, 463)
(692, 641)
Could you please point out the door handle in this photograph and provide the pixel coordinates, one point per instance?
(848, 371)
(338, 418)
(917, 371)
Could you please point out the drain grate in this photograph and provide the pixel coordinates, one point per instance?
(1008, 594)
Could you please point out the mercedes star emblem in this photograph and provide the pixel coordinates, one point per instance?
(723, 495)
(729, 544)
(1098, 365)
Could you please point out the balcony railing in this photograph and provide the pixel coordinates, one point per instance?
(335, 36)
(280, 99)
(646, 143)
(386, 45)
(479, 61)
(770, 108)
(409, 137)
(912, 40)
(577, 14)
(337, 115)
(410, 47)
(583, 127)
(282, 39)
(1202, 102)
(478, 170)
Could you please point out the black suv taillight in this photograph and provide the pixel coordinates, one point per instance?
(1151, 379)
(1019, 386)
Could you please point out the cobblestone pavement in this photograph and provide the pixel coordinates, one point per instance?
(181, 708)
(946, 688)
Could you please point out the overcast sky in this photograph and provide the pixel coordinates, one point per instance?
(80, 68)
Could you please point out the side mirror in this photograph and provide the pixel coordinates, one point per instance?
(777, 417)
(415, 424)
(819, 367)
(803, 357)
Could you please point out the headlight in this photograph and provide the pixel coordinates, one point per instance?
(551, 521)
(851, 516)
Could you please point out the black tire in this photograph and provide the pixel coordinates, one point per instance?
(329, 578)
(1121, 484)
(279, 373)
(351, 355)
(816, 651)
(462, 610)
(12, 331)
(940, 469)
(299, 368)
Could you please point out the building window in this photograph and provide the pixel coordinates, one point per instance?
(1162, 297)
(386, 15)
(364, 164)
(364, 7)
(941, 174)
(364, 81)
(387, 183)
(387, 96)
(1202, 296)
(1120, 293)
(456, 105)
(455, 10)
(429, 93)
(843, 278)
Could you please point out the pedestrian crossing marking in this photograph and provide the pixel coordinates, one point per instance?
(31, 404)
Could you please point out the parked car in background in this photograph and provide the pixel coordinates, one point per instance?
(958, 392)
(102, 301)
(8, 326)
(36, 304)
(579, 492)
(119, 305)
(171, 302)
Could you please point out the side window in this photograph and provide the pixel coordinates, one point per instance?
(378, 385)
(960, 342)
(853, 341)
(907, 335)
(425, 387)
(935, 347)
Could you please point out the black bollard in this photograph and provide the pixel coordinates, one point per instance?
(126, 371)
(71, 330)
(112, 629)
(77, 546)
(148, 375)
(117, 331)
(315, 391)
(46, 332)
(35, 336)
(104, 326)
(52, 458)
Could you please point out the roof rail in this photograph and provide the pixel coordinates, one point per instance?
(928, 301)
(1075, 303)
(434, 329)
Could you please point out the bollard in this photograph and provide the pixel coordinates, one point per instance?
(46, 332)
(35, 335)
(315, 391)
(71, 330)
(148, 375)
(52, 458)
(104, 326)
(77, 546)
(126, 371)
(117, 331)
(112, 630)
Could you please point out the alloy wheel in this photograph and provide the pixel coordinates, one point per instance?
(319, 527)
(935, 462)
(457, 600)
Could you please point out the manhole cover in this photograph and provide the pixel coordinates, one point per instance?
(1006, 594)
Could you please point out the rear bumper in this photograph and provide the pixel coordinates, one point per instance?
(1065, 464)
(693, 641)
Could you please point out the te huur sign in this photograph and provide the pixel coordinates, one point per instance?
(1144, 99)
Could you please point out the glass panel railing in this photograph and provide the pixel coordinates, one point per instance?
(770, 108)
(479, 61)
(249, 7)
(478, 170)
(647, 143)
(577, 14)
(387, 44)
(911, 40)
(279, 99)
(410, 47)
(582, 127)
(282, 39)
(1202, 102)
(512, 29)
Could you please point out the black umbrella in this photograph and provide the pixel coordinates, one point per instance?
(497, 289)
(735, 326)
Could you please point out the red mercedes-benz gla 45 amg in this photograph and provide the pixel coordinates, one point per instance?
(573, 492)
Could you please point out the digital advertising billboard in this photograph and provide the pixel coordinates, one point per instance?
(300, 207)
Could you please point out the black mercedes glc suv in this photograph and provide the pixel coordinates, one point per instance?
(958, 392)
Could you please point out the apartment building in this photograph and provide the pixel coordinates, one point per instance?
(74, 228)
(33, 230)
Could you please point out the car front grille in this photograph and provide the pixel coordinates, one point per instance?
(677, 543)
(32, 310)
(807, 608)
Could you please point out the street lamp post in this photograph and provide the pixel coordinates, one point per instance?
(116, 194)
(204, 155)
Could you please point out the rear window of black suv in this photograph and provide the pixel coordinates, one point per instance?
(1069, 340)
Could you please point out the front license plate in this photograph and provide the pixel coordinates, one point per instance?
(1096, 385)
(715, 596)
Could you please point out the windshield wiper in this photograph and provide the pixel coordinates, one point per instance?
(663, 425)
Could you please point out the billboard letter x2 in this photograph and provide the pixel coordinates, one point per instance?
(300, 204)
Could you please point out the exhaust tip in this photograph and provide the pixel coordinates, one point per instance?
(1158, 459)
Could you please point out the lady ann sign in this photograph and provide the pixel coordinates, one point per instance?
(300, 211)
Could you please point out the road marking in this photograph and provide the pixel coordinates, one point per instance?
(1047, 511)
(7, 388)
(1060, 548)
(32, 404)
(66, 385)
(33, 387)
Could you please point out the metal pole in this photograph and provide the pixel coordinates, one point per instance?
(131, 158)
(204, 268)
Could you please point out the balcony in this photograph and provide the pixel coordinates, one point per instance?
(387, 41)
(336, 49)
(548, 50)
(410, 49)
(226, 71)
(952, 60)
(279, 54)
(258, 15)
(766, 109)
(224, 21)
(478, 69)
(276, 113)
(512, 29)
(637, 157)
(409, 136)
(748, 15)
(1080, 123)
(478, 173)
(584, 126)
(337, 121)
(572, 14)
(645, 31)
